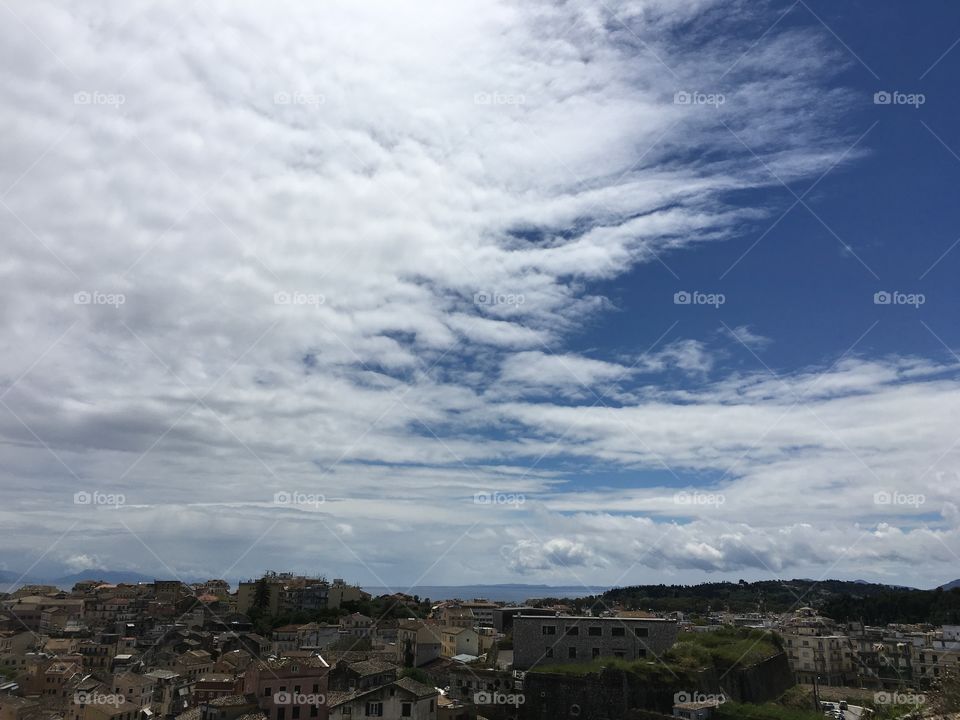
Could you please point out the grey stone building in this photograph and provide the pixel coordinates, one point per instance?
(567, 639)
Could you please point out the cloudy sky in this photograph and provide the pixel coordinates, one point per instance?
(457, 292)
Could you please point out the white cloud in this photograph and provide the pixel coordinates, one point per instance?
(433, 190)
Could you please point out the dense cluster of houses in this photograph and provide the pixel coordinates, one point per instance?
(170, 651)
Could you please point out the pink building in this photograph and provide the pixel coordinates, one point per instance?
(289, 688)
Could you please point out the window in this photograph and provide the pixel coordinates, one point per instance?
(406, 709)
(618, 653)
(281, 713)
(595, 631)
(295, 713)
(642, 652)
(618, 632)
(314, 711)
(572, 653)
(642, 632)
(595, 653)
(266, 692)
(374, 709)
(549, 629)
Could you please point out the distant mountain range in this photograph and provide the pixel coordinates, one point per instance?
(950, 585)
(11, 580)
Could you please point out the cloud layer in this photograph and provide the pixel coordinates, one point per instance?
(338, 255)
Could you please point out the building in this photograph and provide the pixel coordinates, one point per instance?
(817, 650)
(356, 625)
(286, 592)
(455, 615)
(136, 689)
(170, 591)
(482, 611)
(403, 698)
(172, 694)
(210, 686)
(317, 636)
(570, 639)
(340, 592)
(503, 617)
(284, 639)
(417, 643)
(935, 653)
(289, 688)
(459, 641)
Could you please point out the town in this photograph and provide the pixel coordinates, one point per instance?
(286, 646)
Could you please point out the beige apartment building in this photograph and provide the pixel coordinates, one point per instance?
(817, 651)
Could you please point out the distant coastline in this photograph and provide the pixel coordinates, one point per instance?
(501, 593)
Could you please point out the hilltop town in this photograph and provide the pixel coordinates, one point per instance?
(291, 647)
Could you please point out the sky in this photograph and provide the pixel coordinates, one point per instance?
(578, 293)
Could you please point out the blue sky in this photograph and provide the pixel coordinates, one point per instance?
(391, 295)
